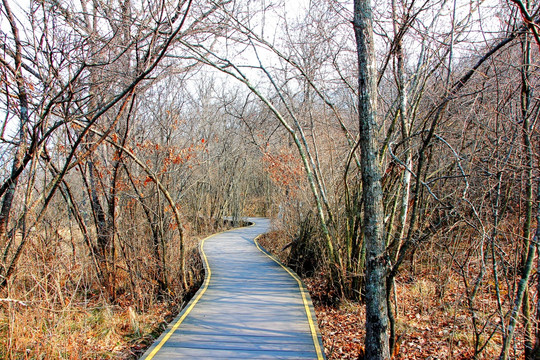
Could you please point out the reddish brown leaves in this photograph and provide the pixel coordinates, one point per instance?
(284, 168)
(342, 331)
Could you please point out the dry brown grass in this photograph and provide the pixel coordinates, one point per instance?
(62, 312)
(78, 331)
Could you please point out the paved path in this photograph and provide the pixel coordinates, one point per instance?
(249, 307)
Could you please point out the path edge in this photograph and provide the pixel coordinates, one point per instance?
(177, 321)
(319, 347)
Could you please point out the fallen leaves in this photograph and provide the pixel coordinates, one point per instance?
(342, 331)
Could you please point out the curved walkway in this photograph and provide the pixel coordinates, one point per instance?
(249, 307)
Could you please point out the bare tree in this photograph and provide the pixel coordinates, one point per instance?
(377, 338)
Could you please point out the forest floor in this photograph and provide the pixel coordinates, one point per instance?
(81, 328)
(66, 315)
(60, 311)
(91, 329)
(433, 320)
(432, 323)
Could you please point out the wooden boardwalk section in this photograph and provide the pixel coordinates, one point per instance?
(249, 307)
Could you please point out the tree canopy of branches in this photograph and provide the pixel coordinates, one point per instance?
(372, 132)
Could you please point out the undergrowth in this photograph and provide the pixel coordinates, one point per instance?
(57, 309)
(433, 315)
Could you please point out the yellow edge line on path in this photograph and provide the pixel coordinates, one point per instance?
(192, 304)
(304, 299)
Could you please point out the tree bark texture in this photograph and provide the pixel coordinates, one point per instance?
(377, 339)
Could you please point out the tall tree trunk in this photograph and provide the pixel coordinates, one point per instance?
(406, 177)
(535, 354)
(527, 148)
(405, 133)
(522, 299)
(7, 202)
(377, 339)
